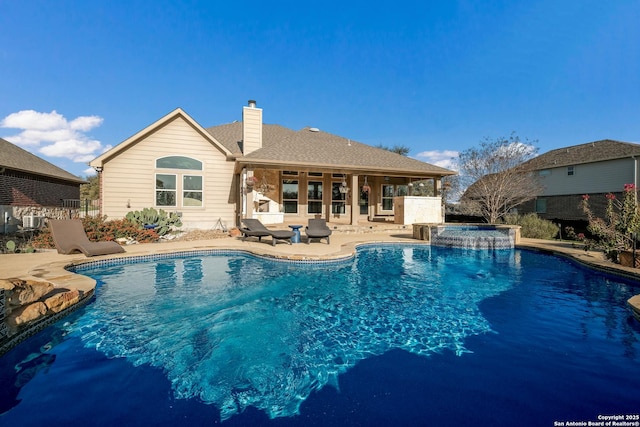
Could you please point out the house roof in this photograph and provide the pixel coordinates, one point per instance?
(175, 114)
(590, 152)
(312, 148)
(16, 158)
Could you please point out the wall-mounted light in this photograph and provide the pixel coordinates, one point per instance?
(98, 168)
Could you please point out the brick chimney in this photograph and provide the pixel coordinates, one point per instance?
(251, 128)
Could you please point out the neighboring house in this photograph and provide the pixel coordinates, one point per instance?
(595, 168)
(249, 169)
(32, 188)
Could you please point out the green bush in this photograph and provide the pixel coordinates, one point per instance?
(532, 226)
(161, 220)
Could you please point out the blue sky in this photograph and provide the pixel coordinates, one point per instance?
(77, 77)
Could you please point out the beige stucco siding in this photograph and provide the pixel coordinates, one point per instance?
(129, 179)
(589, 178)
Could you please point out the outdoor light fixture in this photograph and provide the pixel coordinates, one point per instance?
(98, 169)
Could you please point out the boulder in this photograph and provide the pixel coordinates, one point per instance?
(27, 291)
(61, 300)
(7, 284)
(26, 314)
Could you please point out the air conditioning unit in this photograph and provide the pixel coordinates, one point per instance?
(32, 221)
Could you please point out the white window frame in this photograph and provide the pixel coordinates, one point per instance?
(170, 190)
(201, 191)
(179, 175)
(383, 197)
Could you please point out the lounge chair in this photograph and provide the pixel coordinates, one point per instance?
(317, 229)
(255, 228)
(69, 237)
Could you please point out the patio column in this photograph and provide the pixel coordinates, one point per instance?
(355, 198)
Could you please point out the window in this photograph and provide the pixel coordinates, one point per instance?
(541, 205)
(290, 195)
(544, 172)
(387, 197)
(570, 170)
(169, 187)
(166, 190)
(178, 162)
(192, 190)
(338, 199)
(364, 201)
(314, 197)
(389, 191)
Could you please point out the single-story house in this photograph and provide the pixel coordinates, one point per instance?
(249, 169)
(595, 168)
(32, 188)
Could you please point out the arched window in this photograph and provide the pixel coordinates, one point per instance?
(178, 162)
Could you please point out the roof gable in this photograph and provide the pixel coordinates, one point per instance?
(591, 152)
(178, 113)
(16, 158)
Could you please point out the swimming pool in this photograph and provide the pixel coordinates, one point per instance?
(399, 335)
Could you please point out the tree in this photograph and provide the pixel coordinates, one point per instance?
(398, 149)
(90, 190)
(494, 177)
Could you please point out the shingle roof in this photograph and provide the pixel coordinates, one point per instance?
(16, 158)
(313, 148)
(590, 152)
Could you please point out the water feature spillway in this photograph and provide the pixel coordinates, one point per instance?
(473, 236)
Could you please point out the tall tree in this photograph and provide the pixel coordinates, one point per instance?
(90, 190)
(494, 178)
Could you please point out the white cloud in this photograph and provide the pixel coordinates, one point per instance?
(55, 136)
(29, 119)
(445, 158)
(89, 172)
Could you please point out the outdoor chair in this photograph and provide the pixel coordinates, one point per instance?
(317, 229)
(69, 237)
(255, 228)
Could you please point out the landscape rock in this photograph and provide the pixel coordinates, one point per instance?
(26, 314)
(27, 291)
(58, 302)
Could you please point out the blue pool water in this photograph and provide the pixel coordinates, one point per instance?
(399, 335)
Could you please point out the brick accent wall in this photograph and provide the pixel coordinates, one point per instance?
(23, 189)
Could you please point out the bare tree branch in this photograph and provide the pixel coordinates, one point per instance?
(495, 181)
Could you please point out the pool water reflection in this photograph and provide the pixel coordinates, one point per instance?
(249, 336)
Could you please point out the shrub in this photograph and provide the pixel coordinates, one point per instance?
(617, 231)
(532, 226)
(42, 239)
(160, 220)
(99, 229)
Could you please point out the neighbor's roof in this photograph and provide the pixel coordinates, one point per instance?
(596, 151)
(311, 148)
(16, 158)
